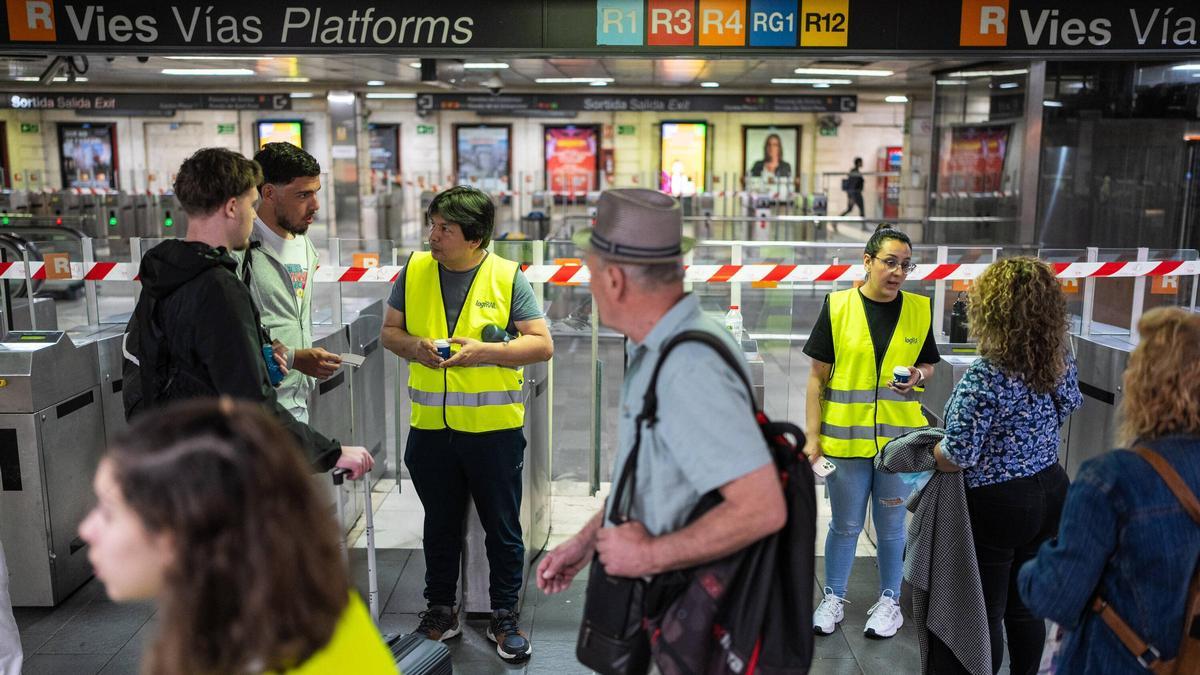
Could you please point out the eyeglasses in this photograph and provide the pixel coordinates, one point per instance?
(892, 264)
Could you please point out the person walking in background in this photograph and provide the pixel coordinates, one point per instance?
(853, 184)
(1125, 539)
(1002, 430)
(207, 509)
(860, 339)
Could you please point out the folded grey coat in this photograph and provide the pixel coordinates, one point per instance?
(939, 555)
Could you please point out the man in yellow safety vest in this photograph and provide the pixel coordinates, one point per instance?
(466, 439)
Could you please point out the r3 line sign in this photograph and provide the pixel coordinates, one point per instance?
(1035, 28)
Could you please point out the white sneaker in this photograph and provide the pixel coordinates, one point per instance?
(829, 613)
(885, 617)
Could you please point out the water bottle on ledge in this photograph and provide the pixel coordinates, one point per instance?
(733, 323)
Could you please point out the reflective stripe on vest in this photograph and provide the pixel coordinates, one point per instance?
(859, 413)
(476, 399)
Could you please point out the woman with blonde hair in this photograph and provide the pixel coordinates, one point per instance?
(208, 509)
(1125, 537)
(1002, 423)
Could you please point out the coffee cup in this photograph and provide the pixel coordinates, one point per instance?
(900, 374)
(443, 348)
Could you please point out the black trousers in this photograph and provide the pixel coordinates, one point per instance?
(447, 468)
(854, 199)
(1010, 520)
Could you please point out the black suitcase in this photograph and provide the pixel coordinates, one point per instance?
(416, 655)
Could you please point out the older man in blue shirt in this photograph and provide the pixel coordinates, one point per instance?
(705, 438)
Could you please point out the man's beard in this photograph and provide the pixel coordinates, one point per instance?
(294, 228)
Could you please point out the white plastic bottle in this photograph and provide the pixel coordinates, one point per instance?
(733, 322)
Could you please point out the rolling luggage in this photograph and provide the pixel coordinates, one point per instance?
(414, 654)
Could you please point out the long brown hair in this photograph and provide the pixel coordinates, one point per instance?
(258, 580)
(1162, 380)
(1019, 315)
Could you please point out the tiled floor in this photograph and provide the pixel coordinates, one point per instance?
(88, 634)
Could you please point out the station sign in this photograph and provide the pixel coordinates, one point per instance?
(575, 103)
(619, 27)
(142, 103)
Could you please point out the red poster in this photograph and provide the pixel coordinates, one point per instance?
(571, 154)
(974, 161)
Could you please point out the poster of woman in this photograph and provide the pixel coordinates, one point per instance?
(769, 154)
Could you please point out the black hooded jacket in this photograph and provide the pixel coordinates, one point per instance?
(196, 332)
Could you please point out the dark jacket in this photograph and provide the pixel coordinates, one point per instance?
(1123, 533)
(196, 332)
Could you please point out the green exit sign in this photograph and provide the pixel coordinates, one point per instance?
(626, 130)
(226, 128)
(426, 130)
(27, 128)
(828, 131)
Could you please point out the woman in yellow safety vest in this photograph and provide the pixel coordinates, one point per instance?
(858, 404)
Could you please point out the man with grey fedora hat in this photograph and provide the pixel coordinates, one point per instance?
(699, 442)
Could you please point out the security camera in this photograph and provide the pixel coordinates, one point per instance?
(143, 59)
(494, 84)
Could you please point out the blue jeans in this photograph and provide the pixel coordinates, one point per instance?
(849, 487)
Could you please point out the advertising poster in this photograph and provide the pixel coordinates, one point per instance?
(276, 131)
(770, 155)
(572, 156)
(482, 155)
(88, 155)
(684, 150)
(973, 159)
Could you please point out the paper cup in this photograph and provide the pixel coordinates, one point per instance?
(900, 374)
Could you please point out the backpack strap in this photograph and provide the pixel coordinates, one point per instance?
(1148, 657)
(622, 494)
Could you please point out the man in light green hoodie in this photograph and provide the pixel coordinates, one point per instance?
(279, 266)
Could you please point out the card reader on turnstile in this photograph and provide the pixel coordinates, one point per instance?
(51, 437)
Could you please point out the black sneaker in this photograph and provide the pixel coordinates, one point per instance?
(511, 642)
(439, 623)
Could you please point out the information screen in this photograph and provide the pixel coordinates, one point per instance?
(276, 131)
(88, 155)
(684, 150)
(572, 154)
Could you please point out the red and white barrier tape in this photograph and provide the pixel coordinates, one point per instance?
(710, 274)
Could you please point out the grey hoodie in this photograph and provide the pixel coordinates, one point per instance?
(286, 317)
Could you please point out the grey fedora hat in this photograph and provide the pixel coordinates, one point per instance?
(635, 225)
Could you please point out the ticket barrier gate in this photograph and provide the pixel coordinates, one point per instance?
(1093, 429)
(330, 412)
(109, 339)
(535, 497)
(51, 438)
(367, 386)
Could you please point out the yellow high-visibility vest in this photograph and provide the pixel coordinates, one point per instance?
(859, 414)
(477, 398)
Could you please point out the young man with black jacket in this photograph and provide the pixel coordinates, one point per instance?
(196, 331)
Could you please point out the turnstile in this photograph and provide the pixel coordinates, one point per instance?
(367, 386)
(108, 339)
(535, 496)
(51, 438)
(330, 412)
(1092, 430)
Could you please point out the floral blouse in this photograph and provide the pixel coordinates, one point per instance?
(998, 428)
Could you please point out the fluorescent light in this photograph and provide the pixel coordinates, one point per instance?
(343, 98)
(291, 79)
(301, 94)
(1052, 104)
(598, 83)
(1186, 66)
(220, 58)
(951, 83)
(391, 94)
(375, 83)
(821, 85)
(482, 66)
(895, 98)
(212, 72)
(1009, 85)
(989, 73)
(807, 80)
(843, 71)
(710, 85)
(572, 80)
(60, 78)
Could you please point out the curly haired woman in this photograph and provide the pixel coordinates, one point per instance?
(1125, 537)
(1002, 423)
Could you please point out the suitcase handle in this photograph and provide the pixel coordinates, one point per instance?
(339, 475)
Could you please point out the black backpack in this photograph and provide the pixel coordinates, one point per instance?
(750, 612)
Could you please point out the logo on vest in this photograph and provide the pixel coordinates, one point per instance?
(486, 304)
(910, 340)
